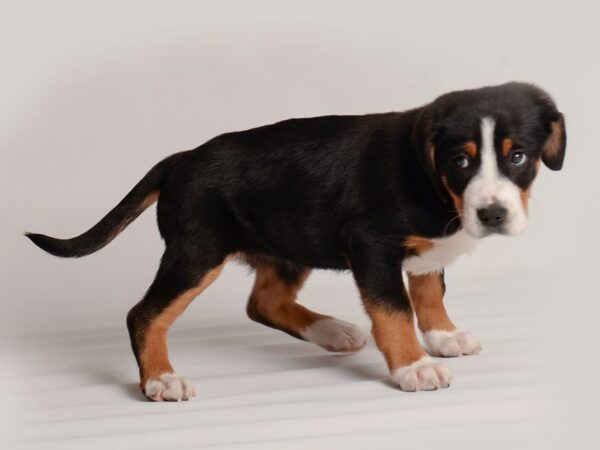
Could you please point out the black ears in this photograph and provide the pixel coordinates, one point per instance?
(423, 137)
(553, 152)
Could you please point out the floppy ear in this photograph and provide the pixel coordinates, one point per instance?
(424, 133)
(553, 152)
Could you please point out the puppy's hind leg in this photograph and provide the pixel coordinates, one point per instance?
(273, 303)
(183, 274)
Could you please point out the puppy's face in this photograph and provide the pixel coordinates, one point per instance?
(483, 148)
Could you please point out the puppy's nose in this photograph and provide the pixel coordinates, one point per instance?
(493, 215)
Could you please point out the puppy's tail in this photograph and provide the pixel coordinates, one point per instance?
(144, 194)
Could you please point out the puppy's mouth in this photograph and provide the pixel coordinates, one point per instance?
(482, 232)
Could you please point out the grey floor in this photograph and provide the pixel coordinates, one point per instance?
(259, 388)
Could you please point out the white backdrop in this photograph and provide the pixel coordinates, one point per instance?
(93, 94)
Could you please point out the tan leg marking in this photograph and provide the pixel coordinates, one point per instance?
(394, 334)
(154, 359)
(410, 367)
(440, 334)
(427, 294)
(273, 301)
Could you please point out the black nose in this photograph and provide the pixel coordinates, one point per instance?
(492, 216)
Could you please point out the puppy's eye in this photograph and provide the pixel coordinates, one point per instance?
(518, 158)
(462, 161)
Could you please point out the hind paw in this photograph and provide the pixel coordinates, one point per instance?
(335, 335)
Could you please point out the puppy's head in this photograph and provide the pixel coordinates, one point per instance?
(482, 149)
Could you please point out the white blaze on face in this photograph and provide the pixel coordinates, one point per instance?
(489, 186)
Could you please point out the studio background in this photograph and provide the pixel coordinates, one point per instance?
(95, 93)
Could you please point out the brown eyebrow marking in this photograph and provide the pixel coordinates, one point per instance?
(471, 149)
(507, 145)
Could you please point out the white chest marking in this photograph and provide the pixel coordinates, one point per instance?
(445, 251)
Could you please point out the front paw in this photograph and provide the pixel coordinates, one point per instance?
(451, 343)
(422, 375)
(169, 387)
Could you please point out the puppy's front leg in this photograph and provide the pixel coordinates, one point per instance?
(378, 274)
(440, 334)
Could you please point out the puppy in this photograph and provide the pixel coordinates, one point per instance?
(376, 194)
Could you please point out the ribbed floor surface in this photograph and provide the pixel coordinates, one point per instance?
(261, 389)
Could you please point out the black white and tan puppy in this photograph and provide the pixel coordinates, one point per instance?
(375, 194)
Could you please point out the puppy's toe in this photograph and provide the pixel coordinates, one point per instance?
(335, 335)
(451, 343)
(422, 375)
(169, 387)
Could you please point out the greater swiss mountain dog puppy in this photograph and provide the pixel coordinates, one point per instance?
(376, 194)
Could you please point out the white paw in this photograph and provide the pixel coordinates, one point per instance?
(170, 388)
(422, 375)
(451, 343)
(335, 335)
